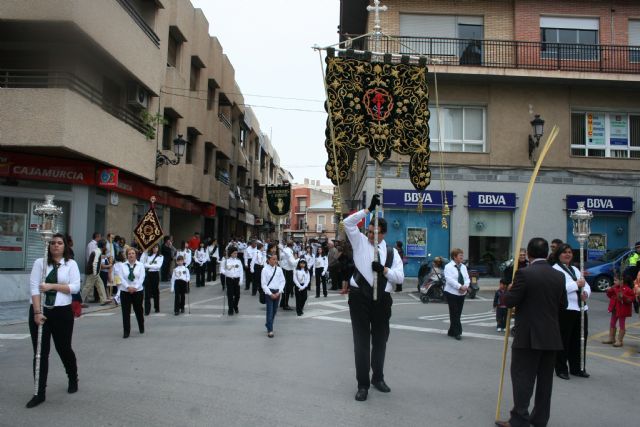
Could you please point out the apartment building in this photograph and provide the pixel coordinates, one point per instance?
(499, 65)
(94, 96)
(310, 204)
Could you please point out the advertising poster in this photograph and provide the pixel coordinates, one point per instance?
(595, 129)
(596, 246)
(416, 242)
(619, 129)
(12, 240)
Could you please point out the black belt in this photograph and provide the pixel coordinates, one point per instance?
(274, 291)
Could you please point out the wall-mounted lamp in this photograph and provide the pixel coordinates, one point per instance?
(179, 146)
(396, 223)
(537, 127)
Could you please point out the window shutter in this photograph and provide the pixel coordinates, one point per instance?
(427, 25)
(634, 33)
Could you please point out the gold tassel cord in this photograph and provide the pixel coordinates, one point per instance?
(523, 217)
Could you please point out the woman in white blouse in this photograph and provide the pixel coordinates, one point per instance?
(56, 317)
(152, 261)
(320, 271)
(301, 279)
(131, 274)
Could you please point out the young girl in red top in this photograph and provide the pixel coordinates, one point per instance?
(620, 300)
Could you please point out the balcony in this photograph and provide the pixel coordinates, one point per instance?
(301, 210)
(513, 54)
(49, 79)
(139, 20)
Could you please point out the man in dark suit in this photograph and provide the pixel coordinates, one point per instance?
(538, 293)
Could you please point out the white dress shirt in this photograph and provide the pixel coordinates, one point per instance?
(287, 261)
(232, 268)
(201, 256)
(311, 261)
(123, 273)
(212, 251)
(258, 259)
(179, 273)
(151, 262)
(451, 278)
(91, 246)
(572, 288)
(363, 253)
(301, 278)
(277, 282)
(186, 254)
(68, 274)
(323, 262)
(249, 253)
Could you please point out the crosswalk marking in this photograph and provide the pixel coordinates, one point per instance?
(13, 336)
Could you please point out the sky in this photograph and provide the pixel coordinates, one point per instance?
(269, 44)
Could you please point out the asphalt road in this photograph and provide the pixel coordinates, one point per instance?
(206, 369)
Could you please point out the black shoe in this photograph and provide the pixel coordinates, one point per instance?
(157, 311)
(35, 401)
(562, 375)
(299, 314)
(176, 313)
(182, 310)
(381, 386)
(361, 394)
(458, 337)
(73, 385)
(235, 309)
(287, 308)
(230, 312)
(582, 374)
(141, 329)
(125, 335)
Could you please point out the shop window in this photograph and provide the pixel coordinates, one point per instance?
(463, 129)
(490, 235)
(605, 134)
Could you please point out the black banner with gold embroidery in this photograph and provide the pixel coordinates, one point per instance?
(279, 199)
(379, 106)
(148, 231)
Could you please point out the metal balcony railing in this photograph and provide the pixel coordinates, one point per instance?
(139, 20)
(223, 176)
(300, 209)
(510, 53)
(49, 79)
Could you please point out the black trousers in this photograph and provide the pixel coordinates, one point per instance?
(570, 331)
(336, 282)
(528, 368)
(320, 278)
(288, 288)
(200, 273)
(370, 325)
(455, 302)
(223, 280)
(501, 317)
(301, 299)
(165, 270)
(257, 279)
(59, 326)
(151, 291)
(248, 276)
(233, 292)
(127, 301)
(212, 266)
(179, 290)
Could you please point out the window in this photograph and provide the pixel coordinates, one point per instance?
(172, 53)
(208, 158)
(463, 129)
(634, 40)
(605, 134)
(467, 30)
(192, 137)
(333, 219)
(193, 78)
(169, 129)
(211, 97)
(302, 205)
(569, 38)
(321, 219)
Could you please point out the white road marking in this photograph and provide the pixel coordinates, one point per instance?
(414, 297)
(13, 336)
(97, 315)
(420, 329)
(207, 300)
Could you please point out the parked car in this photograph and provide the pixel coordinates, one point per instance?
(599, 273)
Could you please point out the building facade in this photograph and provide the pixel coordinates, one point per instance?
(303, 222)
(92, 94)
(498, 64)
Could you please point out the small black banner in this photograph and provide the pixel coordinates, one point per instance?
(148, 231)
(279, 199)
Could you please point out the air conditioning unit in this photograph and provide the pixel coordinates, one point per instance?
(319, 228)
(138, 96)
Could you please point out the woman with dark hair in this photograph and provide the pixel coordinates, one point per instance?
(56, 317)
(152, 261)
(234, 274)
(577, 290)
(301, 279)
(131, 291)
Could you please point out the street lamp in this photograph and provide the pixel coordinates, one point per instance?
(179, 146)
(537, 126)
(581, 230)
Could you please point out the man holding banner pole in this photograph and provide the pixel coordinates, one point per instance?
(369, 317)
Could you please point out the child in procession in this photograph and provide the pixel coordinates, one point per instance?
(234, 274)
(179, 284)
(301, 279)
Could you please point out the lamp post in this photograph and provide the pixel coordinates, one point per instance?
(581, 230)
(537, 127)
(47, 212)
(179, 146)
